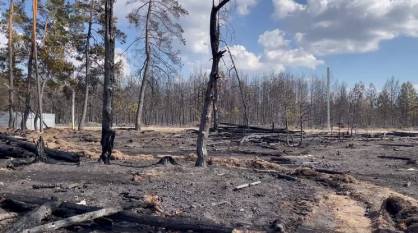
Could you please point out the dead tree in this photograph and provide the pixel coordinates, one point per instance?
(203, 134)
(146, 69)
(244, 103)
(158, 20)
(108, 135)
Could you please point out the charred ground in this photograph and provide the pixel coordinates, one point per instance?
(328, 184)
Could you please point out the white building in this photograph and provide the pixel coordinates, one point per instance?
(49, 120)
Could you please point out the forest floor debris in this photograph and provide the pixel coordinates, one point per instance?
(351, 183)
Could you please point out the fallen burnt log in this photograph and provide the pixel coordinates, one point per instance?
(397, 145)
(50, 153)
(253, 129)
(34, 217)
(332, 172)
(259, 137)
(7, 151)
(67, 208)
(403, 134)
(407, 159)
(14, 163)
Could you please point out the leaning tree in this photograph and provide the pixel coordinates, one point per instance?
(217, 54)
(158, 21)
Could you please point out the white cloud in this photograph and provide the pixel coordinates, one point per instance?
(279, 53)
(276, 56)
(122, 10)
(244, 59)
(121, 57)
(325, 27)
(3, 40)
(273, 39)
(284, 8)
(243, 6)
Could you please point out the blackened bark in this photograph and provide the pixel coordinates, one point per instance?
(203, 134)
(108, 134)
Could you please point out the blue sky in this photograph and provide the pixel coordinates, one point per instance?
(361, 40)
(396, 56)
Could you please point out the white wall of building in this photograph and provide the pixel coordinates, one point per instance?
(49, 120)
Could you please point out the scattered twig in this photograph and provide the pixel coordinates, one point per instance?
(409, 160)
(333, 172)
(239, 187)
(45, 186)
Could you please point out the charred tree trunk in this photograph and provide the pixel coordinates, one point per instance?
(11, 77)
(108, 134)
(203, 134)
(145, 77)
(87, 78)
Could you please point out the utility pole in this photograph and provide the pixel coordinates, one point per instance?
(328, 101)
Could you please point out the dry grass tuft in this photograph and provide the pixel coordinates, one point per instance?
(153, 202)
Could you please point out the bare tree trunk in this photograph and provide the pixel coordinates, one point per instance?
(37, 114)
(87, 78)
(215, 105)
(108, 135)
(28, 91)
(140, 109)
(203, 134)
(244, 103)
(10, 48)
(73, 108)
(35, 56)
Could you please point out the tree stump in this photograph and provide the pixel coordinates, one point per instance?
(166, 160)
(40, 150)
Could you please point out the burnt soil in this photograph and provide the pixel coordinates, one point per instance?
(315, 202)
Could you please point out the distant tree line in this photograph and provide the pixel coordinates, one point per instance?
(279, 99)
